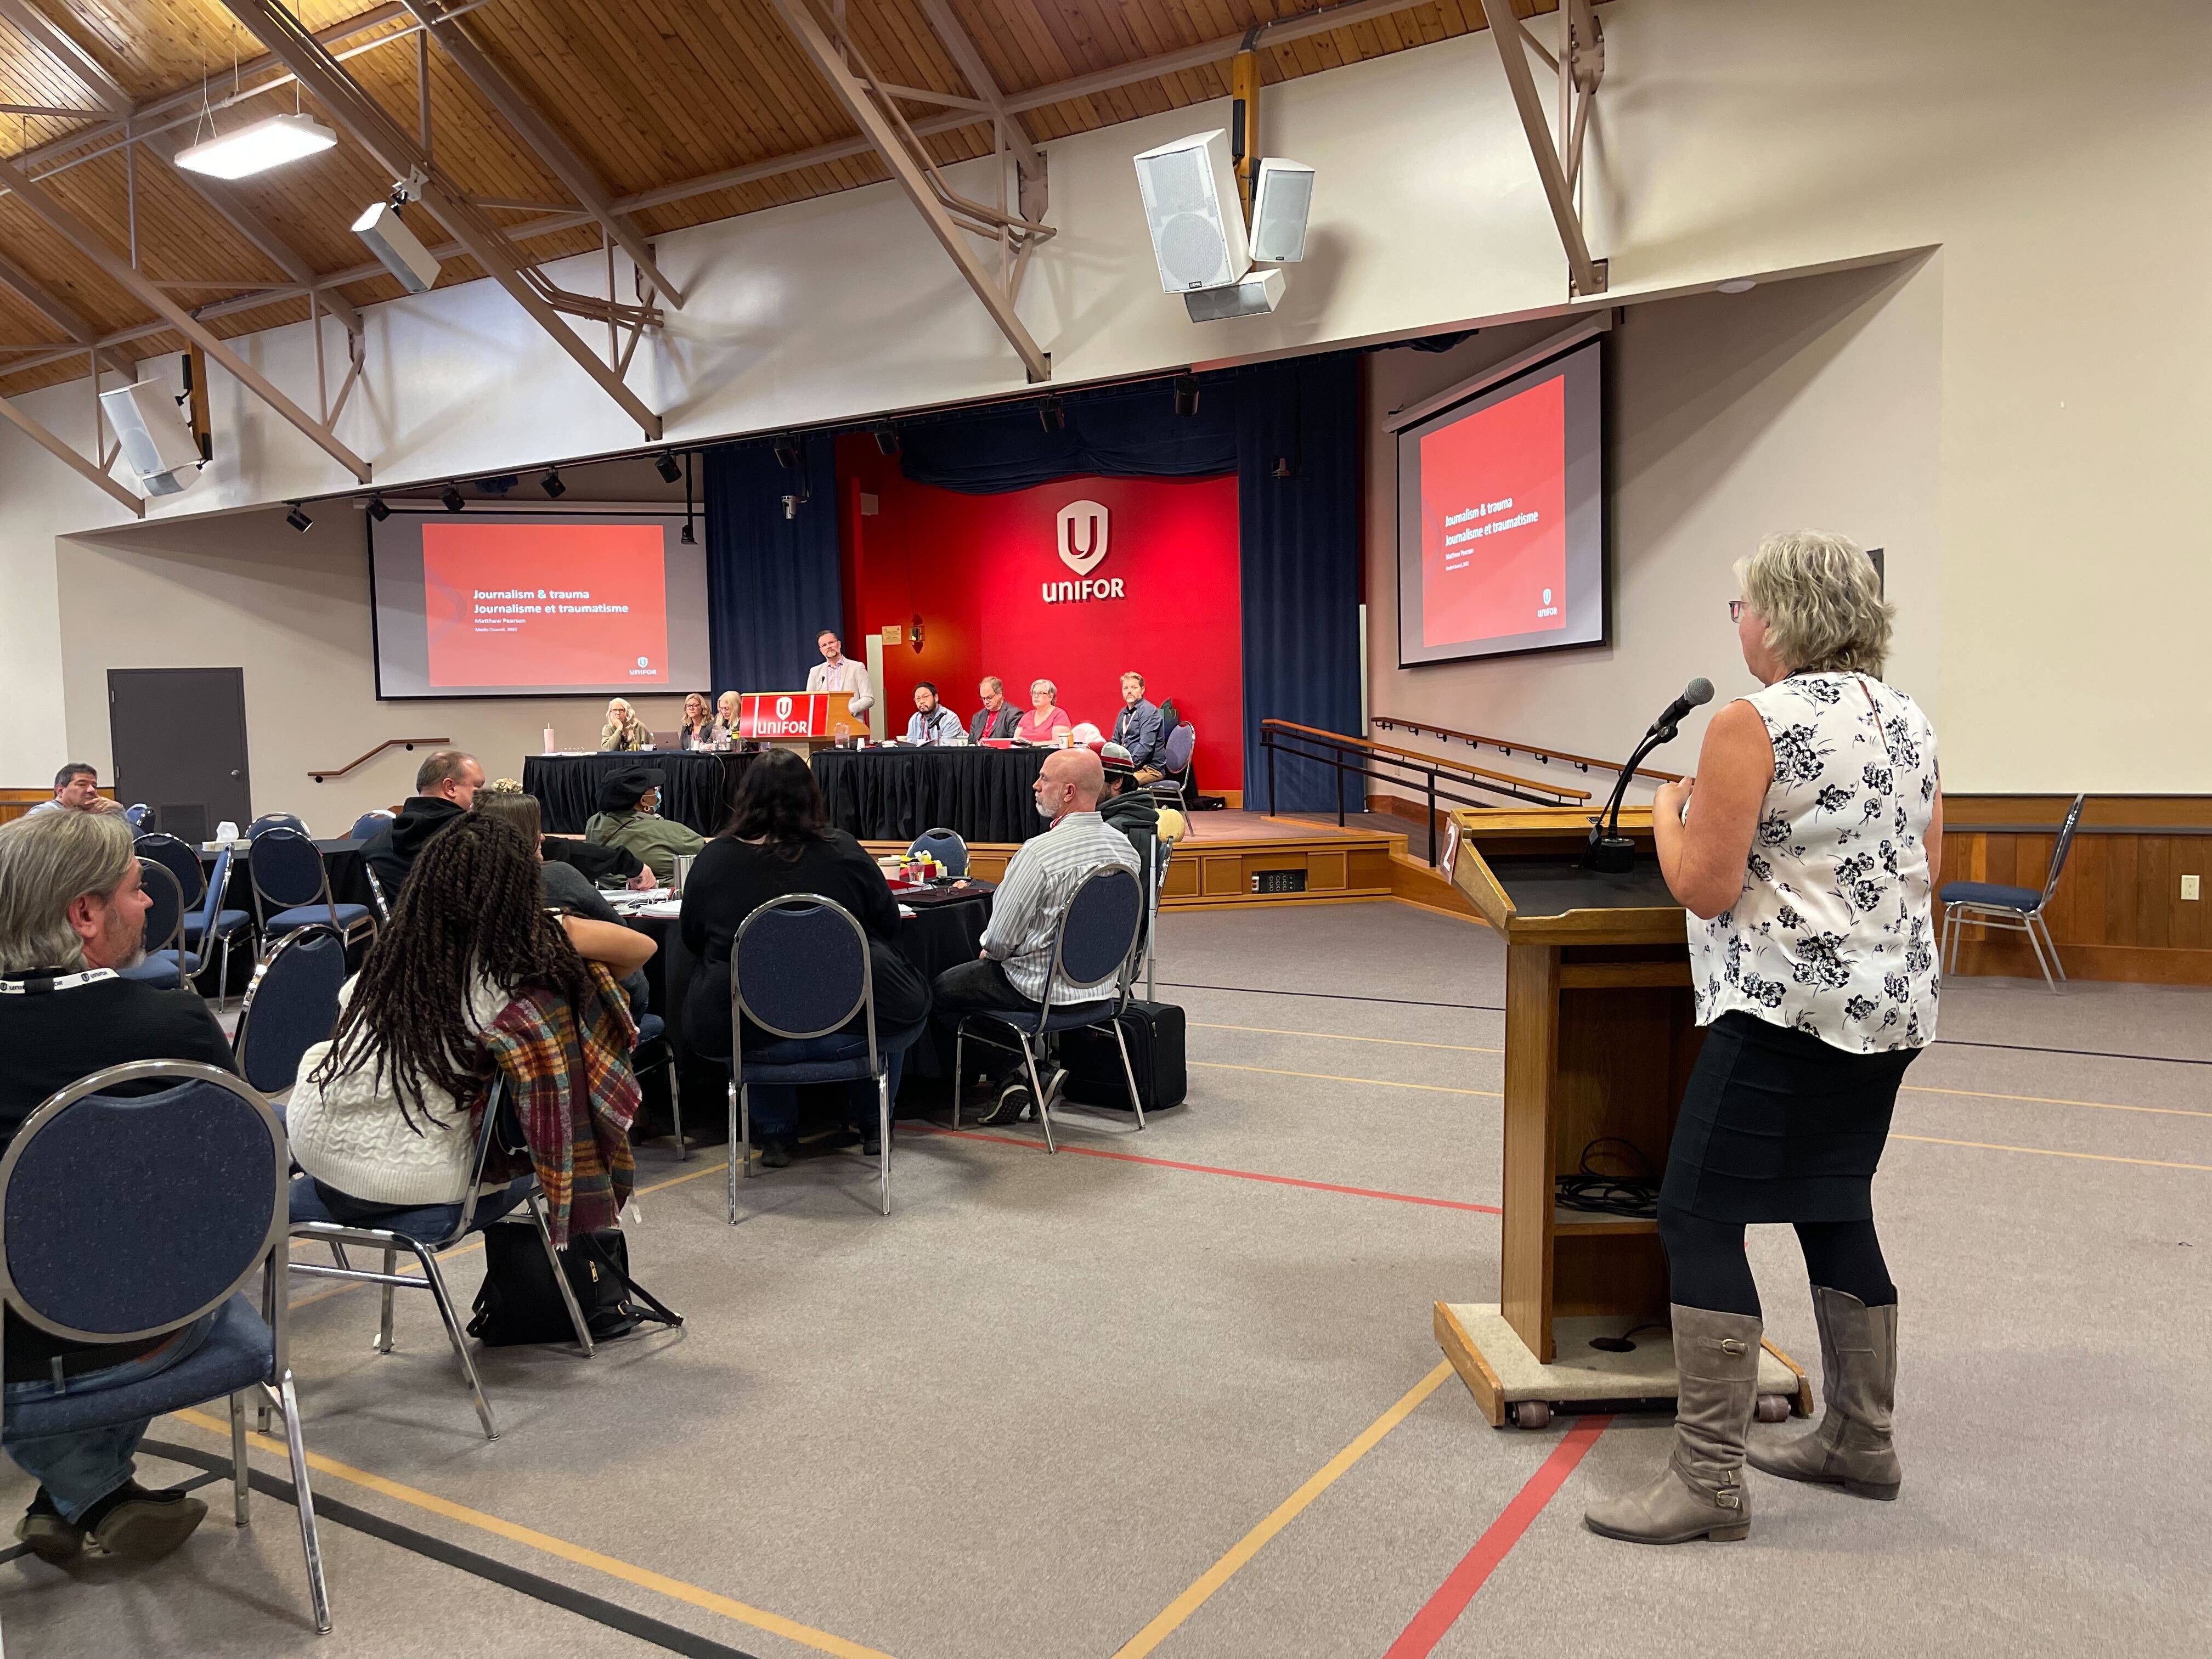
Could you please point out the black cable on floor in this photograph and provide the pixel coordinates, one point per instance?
(538, 1587)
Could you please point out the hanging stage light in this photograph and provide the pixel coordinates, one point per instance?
(299, 520)
(665, 465)
(551, 484)
(454, 499)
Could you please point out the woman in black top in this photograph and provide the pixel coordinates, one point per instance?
(777, 843)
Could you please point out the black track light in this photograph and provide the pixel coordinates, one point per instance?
(666, 464)
(454, 499)
(377, 509)
(689, 539)
(787, 451)
(299, 520)
(551, 484)
(1186, 394)
(1050, 415)
(887, 438)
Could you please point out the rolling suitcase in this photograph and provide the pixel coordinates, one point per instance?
(1154, 1032)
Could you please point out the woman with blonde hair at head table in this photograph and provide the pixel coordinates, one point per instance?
(726, 719)
(1806, 851)
(623, 731)
(698, 730)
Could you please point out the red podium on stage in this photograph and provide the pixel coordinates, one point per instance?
(796, 720)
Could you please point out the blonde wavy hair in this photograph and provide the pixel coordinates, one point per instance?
(1821, 600)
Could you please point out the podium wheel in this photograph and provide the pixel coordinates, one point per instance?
(1532, 1414)
(1773, 1408)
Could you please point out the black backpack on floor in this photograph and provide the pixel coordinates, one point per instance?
(1154, 1032)
(519, 1302)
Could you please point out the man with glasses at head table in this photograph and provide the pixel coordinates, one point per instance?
(996, 717)
(933, 725)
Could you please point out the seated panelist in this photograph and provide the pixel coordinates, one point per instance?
(1046, 722)
(623, 733)
(727, 718)
(996, 717)
(934, 726)
(698, 730)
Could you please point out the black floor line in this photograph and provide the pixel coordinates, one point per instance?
(1491, 1008)
(598, 1609)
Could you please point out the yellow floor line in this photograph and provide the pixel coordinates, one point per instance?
(644, 1577)
(1339, 1036)
(1288, 1510)
(1326, 1077)
(2049, 1100)
(2052, 1152)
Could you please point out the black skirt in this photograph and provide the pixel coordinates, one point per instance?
(1778, 1125)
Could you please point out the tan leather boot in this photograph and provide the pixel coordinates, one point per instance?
(1701, 1493)
(1851, 1447)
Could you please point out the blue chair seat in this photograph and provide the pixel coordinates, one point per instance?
(306, 915)
(429, 1224)
(842, 1058)
(238, 1353)
(651, 1028)
(2022, 899)
(1065, 1018)
(228, 921)
(159, 966)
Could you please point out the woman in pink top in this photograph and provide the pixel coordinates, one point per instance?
(1044, 722)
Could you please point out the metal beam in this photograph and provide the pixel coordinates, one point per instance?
(36, 198)
(401, 155)
(59, 43)
(27, 288)
(876, 126)
(547, 144)
(61, 451)
(1029, 160)
(1584, 275)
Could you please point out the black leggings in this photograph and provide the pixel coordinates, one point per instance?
(1707, 1268)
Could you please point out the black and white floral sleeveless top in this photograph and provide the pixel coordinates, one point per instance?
(1833, 932)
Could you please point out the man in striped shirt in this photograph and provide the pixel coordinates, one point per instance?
(1040, 883)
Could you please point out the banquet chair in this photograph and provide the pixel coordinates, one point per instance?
(652, 1052)
(211, 924)
(1176, 763)
(2011, 909)
(136, 814)
(370, 822)
(1092, 948)
(945, 846)
(426, 1232)
(179, 860)
(292, 1004)
(269, 821)
(165, 958)
(125, 1219)
(376, 892)
(289, 874)
(800, 971)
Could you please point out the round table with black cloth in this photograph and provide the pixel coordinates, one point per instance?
(696, 792)
(895, 793)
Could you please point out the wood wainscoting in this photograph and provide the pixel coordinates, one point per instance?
(13, 803)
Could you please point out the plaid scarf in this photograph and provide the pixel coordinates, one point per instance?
(568, 1072)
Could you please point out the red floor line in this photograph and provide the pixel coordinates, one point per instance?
(1209, 1169)
(1444, 1607)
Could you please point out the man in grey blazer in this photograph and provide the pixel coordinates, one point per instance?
(996, 717)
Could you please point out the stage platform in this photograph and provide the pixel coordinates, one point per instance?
(1233, 858)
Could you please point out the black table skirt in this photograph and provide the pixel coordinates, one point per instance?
(697, 791)
(894, 794)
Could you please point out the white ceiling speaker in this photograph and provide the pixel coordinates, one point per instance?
(1193, 211)
(1261, 292)
(1280, 201)
(399, 249)
(157, 439)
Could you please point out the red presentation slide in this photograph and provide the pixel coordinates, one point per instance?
(552, 604)
(1494, 521)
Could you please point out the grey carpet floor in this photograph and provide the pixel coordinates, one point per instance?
(1022, 1415)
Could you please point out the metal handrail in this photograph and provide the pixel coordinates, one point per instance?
(1542, 754)
(389, 743)
(1356, 756)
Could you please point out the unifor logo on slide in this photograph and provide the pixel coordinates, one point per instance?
(1080, 538)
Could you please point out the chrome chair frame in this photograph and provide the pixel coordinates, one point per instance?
(261, 969)
(155, 870)
(338, 1235)
(1177, 781)
(324, 897)
(218, 885)
(938, 837)
(1057, 975)
(276, 1392)
(1960, 914)
(376, 900)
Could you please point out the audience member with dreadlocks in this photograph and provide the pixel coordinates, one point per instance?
(379, 1117)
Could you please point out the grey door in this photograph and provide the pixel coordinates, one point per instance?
(178, 735)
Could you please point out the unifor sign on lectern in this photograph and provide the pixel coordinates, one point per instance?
(1600, 1033)
(795, 720)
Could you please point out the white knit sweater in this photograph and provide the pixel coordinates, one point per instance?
(349, 1132)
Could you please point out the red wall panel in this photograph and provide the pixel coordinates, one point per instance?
(977, 569)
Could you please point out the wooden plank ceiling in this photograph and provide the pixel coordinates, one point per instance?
(654, 94)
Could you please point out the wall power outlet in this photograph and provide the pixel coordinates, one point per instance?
(2189, 886)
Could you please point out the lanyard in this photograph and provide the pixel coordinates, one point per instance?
(32, 986)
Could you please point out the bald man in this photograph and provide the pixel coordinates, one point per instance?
(1039, 881)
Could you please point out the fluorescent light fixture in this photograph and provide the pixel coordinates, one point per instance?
(398, 248)
(258, 147)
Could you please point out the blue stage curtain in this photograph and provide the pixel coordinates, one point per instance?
(772, 582)
(1117, 432)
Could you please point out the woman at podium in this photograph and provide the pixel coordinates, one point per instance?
(1807, 856)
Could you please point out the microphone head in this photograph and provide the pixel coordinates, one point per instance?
(1698, 692)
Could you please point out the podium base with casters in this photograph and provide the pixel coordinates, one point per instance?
(1513, 1386)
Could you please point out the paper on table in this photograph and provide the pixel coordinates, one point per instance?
(906, 913)
(667, 910)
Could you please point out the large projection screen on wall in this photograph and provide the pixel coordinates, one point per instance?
(1501, 517)
(590, 601)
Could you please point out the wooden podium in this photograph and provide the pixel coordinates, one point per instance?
(1601, 1033)
(803, 721)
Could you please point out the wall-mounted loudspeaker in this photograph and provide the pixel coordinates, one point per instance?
(1260, 291)
(1192, 208)
(1280, 201)
(397, 247)
(157, 440)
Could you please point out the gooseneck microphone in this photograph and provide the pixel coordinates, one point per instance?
(1609, 850)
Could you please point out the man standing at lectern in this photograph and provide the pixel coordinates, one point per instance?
(836, 673)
